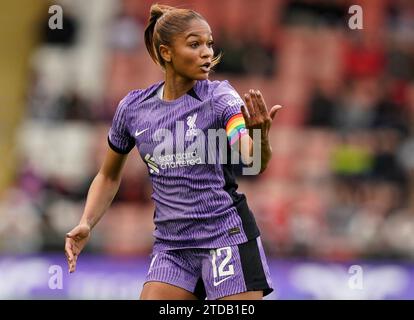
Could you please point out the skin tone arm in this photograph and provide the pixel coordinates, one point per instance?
(257, 117)
(101, 193)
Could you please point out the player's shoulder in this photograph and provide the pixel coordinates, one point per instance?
(222, 88)
(137, 96)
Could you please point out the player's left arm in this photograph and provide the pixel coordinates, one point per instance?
(257, 116)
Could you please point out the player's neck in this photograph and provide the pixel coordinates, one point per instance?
(176, 86)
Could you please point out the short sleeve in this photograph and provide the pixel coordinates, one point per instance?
(119, 138)
(227, 105)
(227, 102)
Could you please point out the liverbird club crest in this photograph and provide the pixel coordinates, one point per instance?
(191, 131)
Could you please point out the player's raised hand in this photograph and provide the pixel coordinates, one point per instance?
(257, 116)
(75, 241)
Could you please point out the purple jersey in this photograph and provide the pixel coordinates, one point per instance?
(196, 203)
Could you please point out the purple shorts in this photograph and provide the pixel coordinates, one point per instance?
(214, 273)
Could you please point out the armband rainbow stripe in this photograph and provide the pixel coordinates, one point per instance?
(235, 128)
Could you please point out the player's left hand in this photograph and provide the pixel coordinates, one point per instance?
(257, 116)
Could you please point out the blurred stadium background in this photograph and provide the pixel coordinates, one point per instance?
(338, 192)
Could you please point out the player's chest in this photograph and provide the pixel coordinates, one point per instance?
(177, 123)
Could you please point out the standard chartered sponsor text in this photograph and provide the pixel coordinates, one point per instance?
(182, 159)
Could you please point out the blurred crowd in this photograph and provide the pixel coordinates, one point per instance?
(340, 184)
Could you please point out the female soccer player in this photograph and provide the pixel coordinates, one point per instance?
(207, 243)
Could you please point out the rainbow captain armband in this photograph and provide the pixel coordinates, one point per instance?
(235, 128)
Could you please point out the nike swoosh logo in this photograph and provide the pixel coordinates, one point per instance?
(140, 132)
(222, 280)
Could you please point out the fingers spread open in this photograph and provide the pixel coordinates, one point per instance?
(249, 105)
(258, 105)
(256, 110)
(261, 105)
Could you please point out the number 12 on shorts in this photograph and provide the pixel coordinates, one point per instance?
(221, 271)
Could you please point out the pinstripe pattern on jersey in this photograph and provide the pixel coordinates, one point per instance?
(192, 207)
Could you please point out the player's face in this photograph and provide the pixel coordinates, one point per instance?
(192, 51)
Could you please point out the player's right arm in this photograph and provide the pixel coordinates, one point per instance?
(101, 193)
